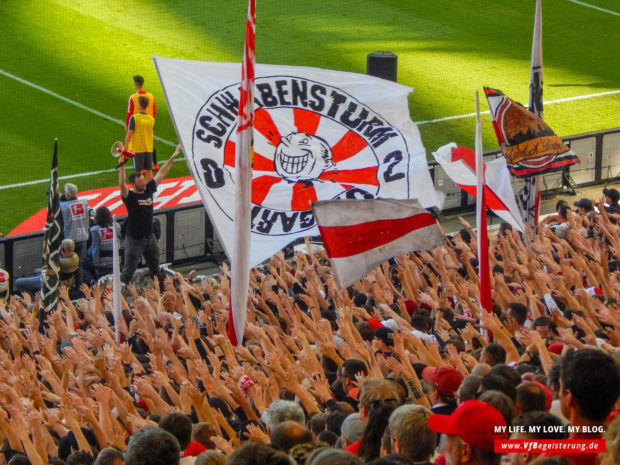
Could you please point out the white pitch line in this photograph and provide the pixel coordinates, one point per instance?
(69, 176)
(75, 104)
(594, 7)
(550, 102)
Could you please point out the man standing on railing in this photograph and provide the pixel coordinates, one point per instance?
(140, 238)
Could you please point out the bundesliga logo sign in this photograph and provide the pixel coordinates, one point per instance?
(311, 141)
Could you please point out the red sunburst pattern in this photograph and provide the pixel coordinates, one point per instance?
(303, 193)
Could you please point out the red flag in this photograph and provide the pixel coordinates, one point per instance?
(240, 269)
(359, 235)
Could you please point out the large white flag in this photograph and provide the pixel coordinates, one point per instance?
(318, 135)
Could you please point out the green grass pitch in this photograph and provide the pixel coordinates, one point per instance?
(87, 51)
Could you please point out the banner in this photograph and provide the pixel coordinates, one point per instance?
(318, 135)
(529, 145)
(51, 241)
(459, 163)
(359, 235)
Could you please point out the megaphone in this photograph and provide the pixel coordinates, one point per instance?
(118, 150)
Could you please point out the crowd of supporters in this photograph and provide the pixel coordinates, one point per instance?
(401, 368)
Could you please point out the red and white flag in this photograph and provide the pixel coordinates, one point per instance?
(240, 260)
(359, 235)
(459, 163)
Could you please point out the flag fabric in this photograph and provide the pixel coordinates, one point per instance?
(116, 282)
(481, 219)
(459, 163)
(240, 267)
(359, 235)
(529, 194)
(529, 145)
(51, 241)
(318, 135)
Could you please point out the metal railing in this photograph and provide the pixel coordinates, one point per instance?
(187, 234)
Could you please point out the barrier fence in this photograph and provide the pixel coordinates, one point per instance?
(187, 235)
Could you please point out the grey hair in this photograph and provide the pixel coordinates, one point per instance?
(107, 456)
(282, 410)
(67, 245)
(152, 446)
(71, 190)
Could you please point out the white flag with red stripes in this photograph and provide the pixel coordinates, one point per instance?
(459, 163)
(359, 235)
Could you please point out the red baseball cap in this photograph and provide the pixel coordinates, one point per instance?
(556, 348)
(475, 422)
(446, 378)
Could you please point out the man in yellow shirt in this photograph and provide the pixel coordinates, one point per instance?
(139, 138)
(133, 108)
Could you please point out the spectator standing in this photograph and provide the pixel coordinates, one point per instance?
(140, 238)
(139, 138)
(74, 214)
(132, 108)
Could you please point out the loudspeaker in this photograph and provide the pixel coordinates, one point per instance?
(382, 64)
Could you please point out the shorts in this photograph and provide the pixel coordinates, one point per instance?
(143, 161)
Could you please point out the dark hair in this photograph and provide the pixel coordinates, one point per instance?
(507, 372)
(592, 378)
(501, 402)
(19, 459)
(288, 434)
(329, 456)
(107, 456)
(496, 353)
(365, 330)
(138, 80)
(378, 417)
(391, 459)
(541, 321)
(81, 457)
(134, 175)
(469, 388)
(143, 101)
(547, 421)
(519, 311)
(180, 426)
(334, 421)
(531, 398)
(152, 446)
(503, 227)
(328, 437)
(255, 453)
(563, 211)
(498, 383)
(352, 366)
(103, 217)
(421, 320)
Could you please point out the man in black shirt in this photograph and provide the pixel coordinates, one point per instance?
(140, 239)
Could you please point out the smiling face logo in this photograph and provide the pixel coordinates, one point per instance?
(302, 157)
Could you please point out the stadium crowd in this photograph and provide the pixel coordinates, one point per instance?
(401, 368)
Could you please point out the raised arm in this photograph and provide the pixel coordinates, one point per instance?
(161, 174)
(121, 181)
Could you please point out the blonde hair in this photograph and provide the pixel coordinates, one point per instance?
(612, 443)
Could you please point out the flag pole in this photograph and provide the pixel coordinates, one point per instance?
(116, 283)
(481, 219)
(535, 105)
(240, 269)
